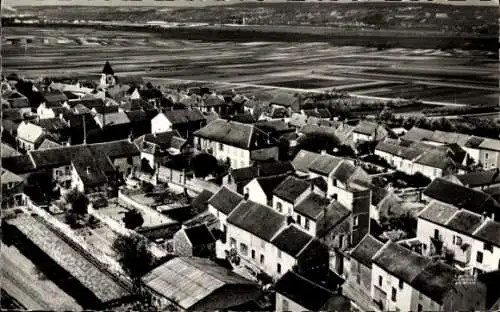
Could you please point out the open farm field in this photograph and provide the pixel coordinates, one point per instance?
(254, 67)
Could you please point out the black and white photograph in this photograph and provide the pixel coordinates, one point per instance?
(250, 155)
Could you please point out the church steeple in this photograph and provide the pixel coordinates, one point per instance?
(107, 70)
(108, 76)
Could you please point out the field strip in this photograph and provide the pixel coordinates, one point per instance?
(177, 81)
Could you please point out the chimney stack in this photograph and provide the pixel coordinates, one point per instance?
(88, 170)
(245, 197)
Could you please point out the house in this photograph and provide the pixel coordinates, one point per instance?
(489, 153)
(12, 190)
(80, 125)
(48, 144)
(406, 281)
(54, 98)
(241, 144)
(287, 101)
(212, 103)
(250, 230)
(222, 203)
(400, 157)
(159, 147)
(369, 131)
(296, 293)
(185, 121)
(471, 146)
(197, 284)
(478, 180)
(302, 161)
(321, 113)
(29, 136)
(236, 179)
(87, 175)
(309, 211)
(416, 134)
(486, 248)
(141, 121)
(123, 155)
(434, 164)
(290, 192)
(360, 263)
(461, 197)
(244, 117)
(196, 241)
(8, 151)
(16, 101)
(260, 190)
(112, 120)
(22, 165)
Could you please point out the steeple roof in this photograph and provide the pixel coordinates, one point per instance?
(107, 69)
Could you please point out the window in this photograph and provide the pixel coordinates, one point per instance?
(68, 170)
(261, 259)
(284, 305)
(488, 247)
(401, 283)
(355, 221)
(419, 308)
(380, 280)
(479, 257)
(334, 182)
(436, 234)
(243, 249)
(279, 207)
(306, 225)
(232, 242)
(420, 296)
(221, 147)
(393, 294)
(341, 240)
(278, 268)
(335, 196)
(253, 254)
(262, 244)
(435, 172)
(299, 220)
(457, 240)
(279, 254)
(485, 155)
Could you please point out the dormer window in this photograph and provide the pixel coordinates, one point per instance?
(488, 246)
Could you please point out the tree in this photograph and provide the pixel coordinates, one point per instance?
(133, 219)
(203, 164)
(78, 201)
(317, 142)
(134, 255)
(386, 114)
(39, 187)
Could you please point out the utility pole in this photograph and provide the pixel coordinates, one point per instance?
(84, 131)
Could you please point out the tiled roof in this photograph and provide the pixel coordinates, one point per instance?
(400, 262)
(235, 134)
(490, 144)
(479, 178)
(291, 188)
(366, 127)
(246, 118)
(303, 159)
(465, 221)
(417, 134)
(115, 118)
(54, 98)
(366, 249)
(183, 116)
(449, 137)
(435, 160)
(52, 124)
(46, 144)
(312, 206)
(225, 200)
(18, 164)
(89, 275)
(263, 169)
(8, 151)
(344, 171)
(199, 203)
(489, 232)
(435, 281)
(460, 196)
(438, 212)
(292, 240)
(474, 142)
(116, 149)
(199, 235)
(324, 164)
(273, 126)
(261, 221)
(189, 280)
(319, 113)
(398, 150)
(268, 184)
(335, 214)
(310, 295)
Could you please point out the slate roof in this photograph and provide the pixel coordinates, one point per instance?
(291, 188)
(199, 235)
(344, 171)
(417, 134)
(243, 118)
(235, 134)
(310, 295)
(303, 160)
(438, 212)
(449, 137)
(46, 144)
(366, 249)
(291, 240)
(183, 116)
(262, 169)
(199, 203)
(366, 127)
(435, 160)
(312, 206)
(398, 150)
(113, 118)
(54, 98)
(225, 200)
(489, 232)
(479, 178)
(8, 151)
(465, 221)
(273, 126)
(18, 164)
(88, 169)
(460, 196)
(89, 103)
(115, 149)
(400, 262)
(474, 142)
(52, 124)
(324, 164)
(319, 113)
(190, 280)
(335, 214)
(326, 131)
(13, 114)
(490, 144)
(435, 281)
(261, 221)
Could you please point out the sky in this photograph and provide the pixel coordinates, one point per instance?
(177, 3)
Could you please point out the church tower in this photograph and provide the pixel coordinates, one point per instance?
(108, 76)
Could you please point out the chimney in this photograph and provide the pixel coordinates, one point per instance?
(289, 220)
(339, 290)
(88, 170)
(311, 184)
(245, 197)
(61, 116)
